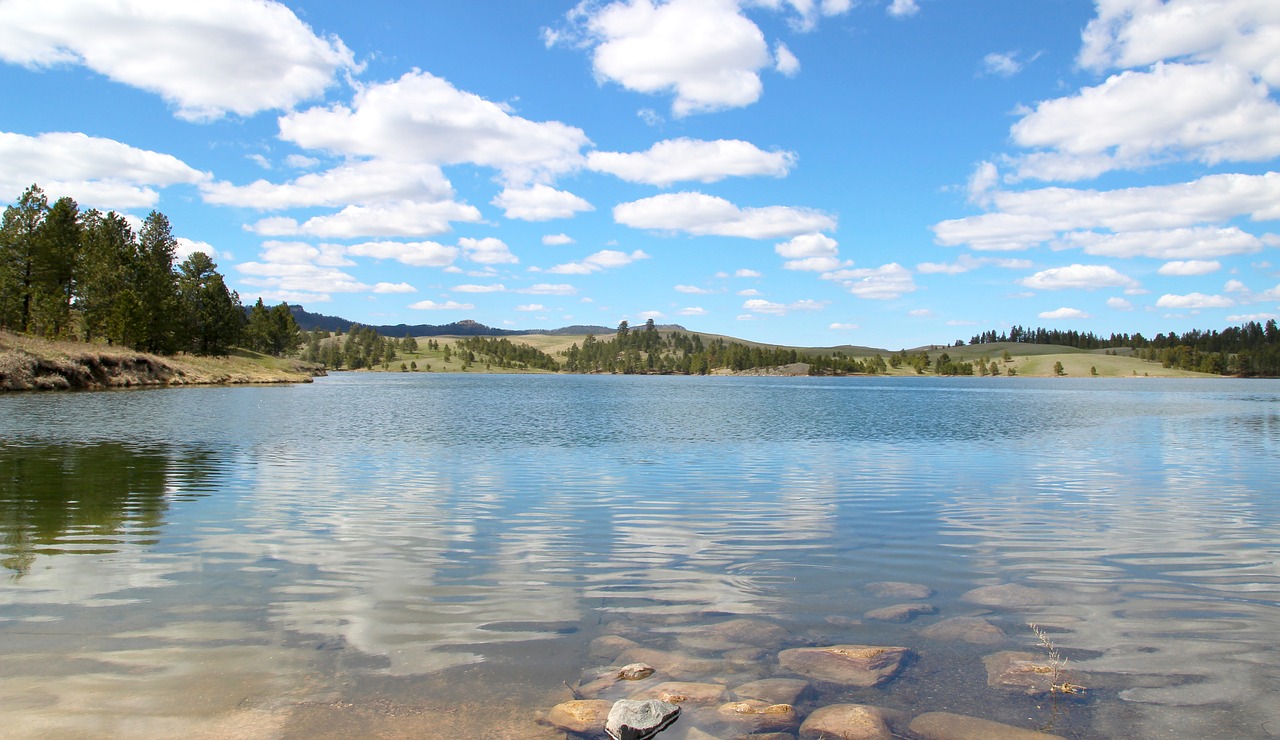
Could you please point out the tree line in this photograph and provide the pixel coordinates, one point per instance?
(68, 274)
(1251, 349)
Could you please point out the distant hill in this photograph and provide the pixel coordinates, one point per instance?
(465, 328)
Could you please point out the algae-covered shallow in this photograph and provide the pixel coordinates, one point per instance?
(453, 556)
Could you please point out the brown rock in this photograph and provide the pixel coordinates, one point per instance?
(676, 665)
(773, 690)
(900, 612)
(849, 722)
(686, 693)
(582, 716)
(840, 620)
(1015, 671)
(975, 630)
(849, 665)
(947, 726)
(635, 671)
(1009, 595)
(756, 716)
(736, 633)
(899, 590)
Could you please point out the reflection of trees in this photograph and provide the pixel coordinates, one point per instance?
(83, 499)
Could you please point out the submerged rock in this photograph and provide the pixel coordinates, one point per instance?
(676, 665)
(610, 646)
(899, 590)
(947, 726)
(735, 633)
(1016, 671)
(582, 716)
(1009, 595)
(849, 665)
(850, 722)
(685, 692)
(773, 690)
(900, 612)
(755, 716)
(639, 720)
(635, 672)
(975, 630)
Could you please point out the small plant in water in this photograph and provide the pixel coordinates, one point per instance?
(1057, 664)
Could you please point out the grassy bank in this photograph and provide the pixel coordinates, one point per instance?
(29, 363)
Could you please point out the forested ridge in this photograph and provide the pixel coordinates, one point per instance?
(1251, 349)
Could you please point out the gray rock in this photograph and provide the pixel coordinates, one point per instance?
(1017, 671)
(975, 630)
(774, 690)
(1009, 595)
(640, 720)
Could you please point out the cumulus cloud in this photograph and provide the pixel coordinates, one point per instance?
(1194, 301)
(1064, 313)
(418, 254)
(555, 240)
(1081, 277)
(472, 288)
(693, 311)
(879, 283)
(747, 273)
(394, 288)
(903, 8)
(381, 219)
(446, 306)
(423, 118)
(967, 262)
(693, 290)
(549, 289)
(187, 247)
(761, 306)
(682, 160)
(704, 52)
(540, 203)
(487, 251)
(843, 327)
(1004, 64)
(97, 172)
(207, 58)
(1190, 267)
(360, 182)
(1119, 304)
(299, 279)
(531, 307)
(605, 259)
(785, 61)
(812, 253)
(703, 215)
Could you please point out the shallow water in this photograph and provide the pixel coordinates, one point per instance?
(387, 554)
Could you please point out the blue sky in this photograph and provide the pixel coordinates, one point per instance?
(808, 172)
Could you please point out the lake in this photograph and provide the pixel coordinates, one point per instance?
(447, 555)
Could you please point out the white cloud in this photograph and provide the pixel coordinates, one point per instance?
(844, 327)
(693, 290)
(603, 260)
(705, 52)
(382, 219)
(394, 288)
(1190, 267)
(680, 160)
(1080, 277)
(966, 262)
(187, 247)
(746, 273)
(302, 253)
(362, 182)
(880, 283)
(920, 313)
(555, 240)
(1194, 300)
(97, 172)
(983, 183)
(549, 289)
(206, 58)
(531, 307)
(487, 251)
(759, 305)
(808, 245)
(418, 254)
(472, 288)
(1210, 113)
(749, 292)
(650, 315)
(784, 61)
(301, 161)
(1002, 64)
(300, 278)
(540, 203)
(422, 118)
(1119, 304)
(816, 264)
(903, 8)
(1241, 318)
(1064, 313)
(446, 306)
(700, 214)
(693, 311)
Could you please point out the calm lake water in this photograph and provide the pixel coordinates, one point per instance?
(434, 555)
